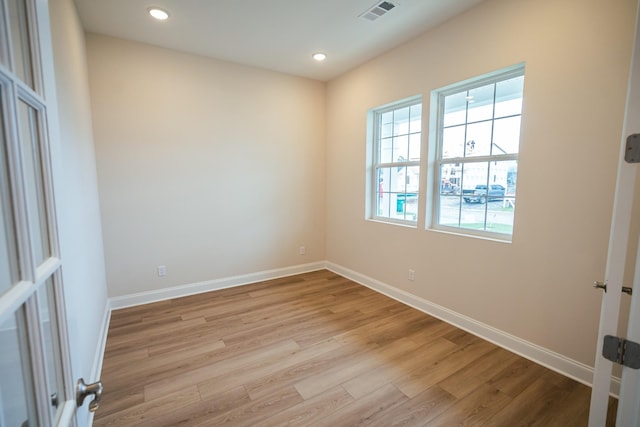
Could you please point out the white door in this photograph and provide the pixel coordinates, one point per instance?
(628, 405)
(35, 384)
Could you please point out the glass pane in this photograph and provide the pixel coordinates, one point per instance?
(32, 164)
(502, 196)
(478, 139)
(401, 121)
(398, 179)
(386, 124)
(416, 118)
(450, 195)
(386, 150)
(480, 103)
(401, 148)
(474, 193)
(46, 304)
(15, 379)
(397, 195)
(449, 209)
(383, 202)
(506, 136)
(455, 109)
(453, 142)
(9, 267)
(450, 177)
(414, 146)
(22, 62)
(413, 179)
(509, 97)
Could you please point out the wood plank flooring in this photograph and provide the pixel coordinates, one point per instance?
(317, 350)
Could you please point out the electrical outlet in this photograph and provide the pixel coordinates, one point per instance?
(302, 250)
(162, 270)
(412, 275)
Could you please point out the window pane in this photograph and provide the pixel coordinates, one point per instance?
(382, 199)
(46, 304)
(398, 179)
(509, 97)
(22, 62)
(401, 148)
(414, 146)
(474, 192)
(416, 119)
(386, 150)
(450, 195)
(411, 197)
(478, 139)
(455, 109)
(453, 142)
(9, 267)
(32, 164)
(480, 103)
(506, 136)
(15, 383)
(386, 124)
(406, 201)
(450, 178)
(502, 196)
(401, 121)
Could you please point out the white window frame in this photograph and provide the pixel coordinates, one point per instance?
(374, 164)
(435, 149)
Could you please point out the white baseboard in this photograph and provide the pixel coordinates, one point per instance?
(540, 355)
(210, 285)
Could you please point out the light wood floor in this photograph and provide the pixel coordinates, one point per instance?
(317, 349)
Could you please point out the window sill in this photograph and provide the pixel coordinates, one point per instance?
(492, 237)
(405, 224)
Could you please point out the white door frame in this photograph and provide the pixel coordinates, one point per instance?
(36, 290)
(618, 240)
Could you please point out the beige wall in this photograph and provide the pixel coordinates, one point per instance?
(538, 287)
(76, 187)
(210, 168)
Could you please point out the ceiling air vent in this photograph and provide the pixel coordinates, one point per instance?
(377, 10)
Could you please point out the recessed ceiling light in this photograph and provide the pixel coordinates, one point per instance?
(319, 56)
(159, 14)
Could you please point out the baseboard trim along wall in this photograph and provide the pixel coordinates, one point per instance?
(540, 355)
(210, 285)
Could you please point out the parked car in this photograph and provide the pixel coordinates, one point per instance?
(480, 194)
(448, 188)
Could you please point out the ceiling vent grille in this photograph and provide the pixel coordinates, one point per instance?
(377, 10)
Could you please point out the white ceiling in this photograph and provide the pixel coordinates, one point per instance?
(278, 35)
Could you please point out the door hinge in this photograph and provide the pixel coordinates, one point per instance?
(632, 150)
(621, 351)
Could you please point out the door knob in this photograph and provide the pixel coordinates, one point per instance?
(83, 390)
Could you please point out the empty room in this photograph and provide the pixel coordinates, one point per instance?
(342, 213)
